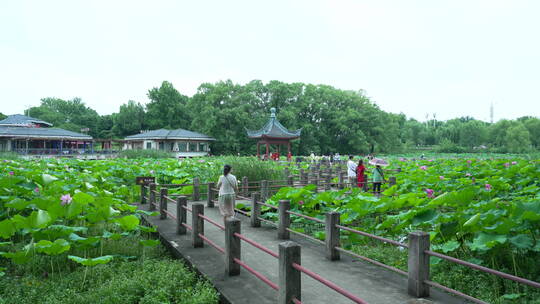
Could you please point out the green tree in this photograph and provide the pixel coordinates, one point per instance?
(129, 120)
(517, 139)
(167, 108)
(533, 126)
(2, 116)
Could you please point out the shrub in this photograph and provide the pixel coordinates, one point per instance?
(132, 154)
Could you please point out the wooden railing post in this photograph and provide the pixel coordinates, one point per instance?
(196, 189)
(290, 180)
(284, 219)
(211, 195)
(143, 193)
(365, 185)
(392, 181)
(290, 284)
(197, 223)
(152, 207)
(232, 246)
(327, 182)
(332, 235)
(303, 177)
(286, 171)
(255, 210)
(264, 190)
(418, 264)
(163, 203)
(181, 214)
(341, 182)
(245, 186)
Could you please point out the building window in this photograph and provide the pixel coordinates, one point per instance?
(192, 147)
(148, 145)
(182, 146)
(202, 147)
(161, 145)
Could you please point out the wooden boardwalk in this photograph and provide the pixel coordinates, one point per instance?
(372, 283)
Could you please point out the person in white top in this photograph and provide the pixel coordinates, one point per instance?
(351, 171)
(228, 187)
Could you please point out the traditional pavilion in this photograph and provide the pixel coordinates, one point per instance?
(182, 142)
(27, 135)
(273, 133)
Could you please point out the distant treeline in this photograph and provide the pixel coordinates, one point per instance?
(332, 120)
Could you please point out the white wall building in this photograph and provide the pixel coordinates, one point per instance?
(182, 142)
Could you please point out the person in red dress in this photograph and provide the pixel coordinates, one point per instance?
(360, 169)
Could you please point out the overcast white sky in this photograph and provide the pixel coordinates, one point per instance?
(452, 58)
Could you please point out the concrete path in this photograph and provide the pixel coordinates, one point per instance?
(373, 284)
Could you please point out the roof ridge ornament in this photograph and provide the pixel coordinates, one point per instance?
(272, 112)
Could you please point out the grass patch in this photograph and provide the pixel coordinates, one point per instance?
(136, 275)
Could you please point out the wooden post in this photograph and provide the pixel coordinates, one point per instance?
(196, 189)
(303, 177)
(255, 210)
(284, 219)
(290, 285)
(245, 186)
(211, 195)
(392, 181)
(152, 207)
(264, 190)
(366, 188)
(327, 182)
(197, 223)
(232, 246)
(143, 193)
(332, 235)
(163, 203)
(286, 172)
(341, 182)
(290, 180)
(181, 214)
(418, 264)
(398, 169)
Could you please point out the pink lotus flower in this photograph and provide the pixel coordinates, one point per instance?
(431, 160)
(11, 172)
(201, 160)
(441, 177)
(300, 202)
(36, 190)
(467, 174)
(429, 193)
(423, 168)
(66, 199)
(488, 187)
(506, 165)
(469, 161)
(514, 163)
(401, 159)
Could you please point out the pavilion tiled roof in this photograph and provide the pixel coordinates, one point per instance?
(41, 133)
(273, 129)
(19, 120)
(170, 134)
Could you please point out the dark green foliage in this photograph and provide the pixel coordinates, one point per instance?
(152, 281)
(133, 154)
(332, 120)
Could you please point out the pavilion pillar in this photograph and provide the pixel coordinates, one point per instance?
(258, 150)
(267, 150)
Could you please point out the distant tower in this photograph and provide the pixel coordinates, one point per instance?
(491, 112)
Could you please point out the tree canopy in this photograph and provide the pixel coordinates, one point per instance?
(332, 120)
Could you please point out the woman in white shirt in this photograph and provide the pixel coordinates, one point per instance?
(228, 186)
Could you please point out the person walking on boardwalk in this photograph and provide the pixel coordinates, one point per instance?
(378, 178)
(228, 187)
(360, 169)
(351, 171)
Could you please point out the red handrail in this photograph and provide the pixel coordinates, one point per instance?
(256, 245)
(187, 226)
(396, 243)
(187, 208)
(484, 269)
(169, 214)
(328, 283)
(212, 221)
(211, 243)
(257, 274)
(306, 217)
